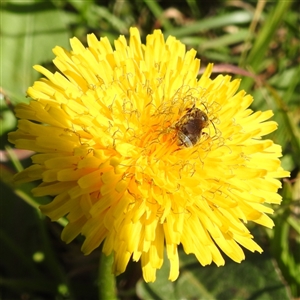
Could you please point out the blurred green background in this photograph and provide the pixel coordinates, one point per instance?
(257, 41)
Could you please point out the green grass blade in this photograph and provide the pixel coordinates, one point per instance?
(239, 17)
(265, 35)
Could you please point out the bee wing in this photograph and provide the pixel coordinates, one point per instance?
(184, 139)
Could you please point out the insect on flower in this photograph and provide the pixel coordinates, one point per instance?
(190, 126)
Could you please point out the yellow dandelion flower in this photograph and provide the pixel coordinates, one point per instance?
(142, 156)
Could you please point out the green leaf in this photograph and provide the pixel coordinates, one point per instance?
(29, 31)
(285, 243)
(254, 278)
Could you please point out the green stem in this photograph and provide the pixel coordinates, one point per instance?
(107, 280)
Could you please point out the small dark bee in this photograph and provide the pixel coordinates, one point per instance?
(190, 125)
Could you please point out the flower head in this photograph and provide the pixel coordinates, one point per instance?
(141, 155)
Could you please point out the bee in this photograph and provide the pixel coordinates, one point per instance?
(189, 126)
